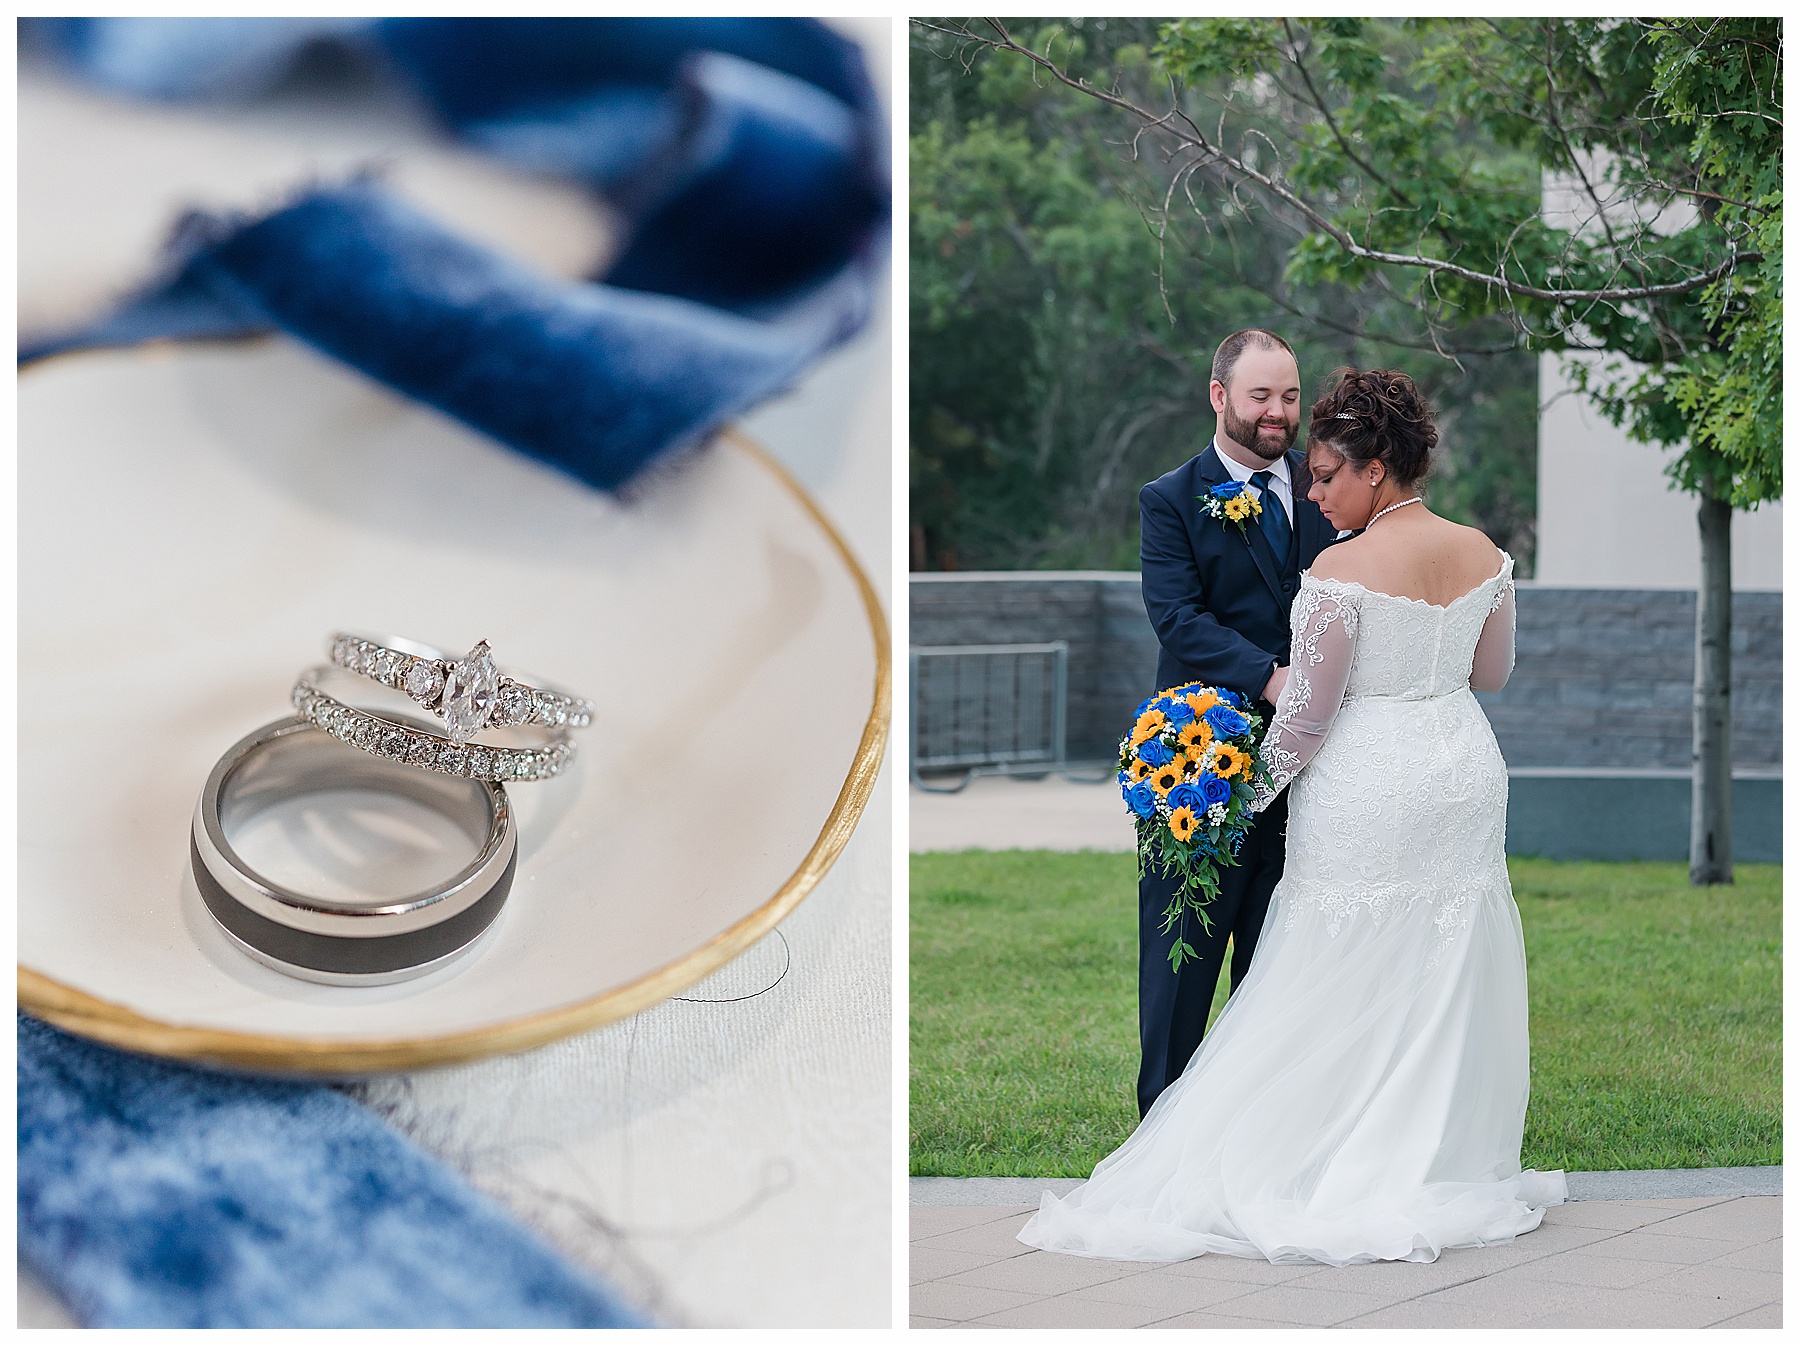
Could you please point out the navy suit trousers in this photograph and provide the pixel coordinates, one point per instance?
(1172, 1007)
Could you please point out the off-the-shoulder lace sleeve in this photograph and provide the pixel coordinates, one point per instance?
(1324, 623)
(1493, 663)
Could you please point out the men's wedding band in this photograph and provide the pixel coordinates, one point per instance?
(402, 739)
(332, 941)
(468, 694)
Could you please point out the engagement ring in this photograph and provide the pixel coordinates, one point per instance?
(402, 739)
(468, 694)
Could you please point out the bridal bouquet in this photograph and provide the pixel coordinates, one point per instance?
(1186, 771)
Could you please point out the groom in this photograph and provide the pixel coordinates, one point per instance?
(1219, 600)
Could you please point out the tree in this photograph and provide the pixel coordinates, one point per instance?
(1061, 348)
(1032, 290)
(1427, 171)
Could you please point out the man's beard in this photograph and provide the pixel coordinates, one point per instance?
(1248, 434)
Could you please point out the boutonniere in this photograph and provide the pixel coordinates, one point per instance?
(1229, 502)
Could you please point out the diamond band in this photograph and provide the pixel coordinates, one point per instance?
(404, 742)
(469, 694)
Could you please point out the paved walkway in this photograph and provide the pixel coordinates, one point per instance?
(1703, 1251)
(1002, 813)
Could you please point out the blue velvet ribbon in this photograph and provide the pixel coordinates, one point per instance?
(153, 1194)
(746, 157)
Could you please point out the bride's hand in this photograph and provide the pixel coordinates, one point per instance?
(1277, 680)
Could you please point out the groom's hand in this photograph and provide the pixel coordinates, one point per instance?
(1277, 680)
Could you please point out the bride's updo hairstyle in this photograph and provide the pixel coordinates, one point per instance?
(1376, 415)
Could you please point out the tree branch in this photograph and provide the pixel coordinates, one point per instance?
(1318, 102)
(1195, 139)
(1705, 196)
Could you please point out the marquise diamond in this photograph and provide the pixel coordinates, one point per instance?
(469, 693)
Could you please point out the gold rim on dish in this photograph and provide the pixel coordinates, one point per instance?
(89, 1016)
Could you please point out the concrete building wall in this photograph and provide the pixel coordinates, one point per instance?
(1608, 517)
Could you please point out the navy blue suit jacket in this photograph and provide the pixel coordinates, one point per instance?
(1219, 599)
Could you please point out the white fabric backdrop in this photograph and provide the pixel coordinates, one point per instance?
(722, 1163)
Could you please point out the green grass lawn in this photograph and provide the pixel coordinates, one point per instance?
(1655, 1014)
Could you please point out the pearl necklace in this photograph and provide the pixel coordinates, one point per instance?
(1390, 509)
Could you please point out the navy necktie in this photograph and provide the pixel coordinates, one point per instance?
(1274, 518)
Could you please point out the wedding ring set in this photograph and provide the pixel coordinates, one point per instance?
(468, 694)
(338, 741)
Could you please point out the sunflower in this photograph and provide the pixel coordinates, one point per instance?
(1148, 725)
(1196, 738)
(1138, 769)
(1201, 702)
(1237, 508)
(1166, 778)
(1182, 824)
(1231, 761)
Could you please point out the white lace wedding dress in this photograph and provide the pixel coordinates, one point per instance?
(1362, 1095)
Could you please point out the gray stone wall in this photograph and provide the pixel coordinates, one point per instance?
(1604, 677)
(1112, 650)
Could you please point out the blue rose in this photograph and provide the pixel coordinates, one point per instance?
(1142, 800)
(1225, 490)
(1226, 722)
(1213, 789)
(1178, 712)
(1153, 752)
(1187, 797)
(1143, 706)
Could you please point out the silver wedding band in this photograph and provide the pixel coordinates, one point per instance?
(338, 942)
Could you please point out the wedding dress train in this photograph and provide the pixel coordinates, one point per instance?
(1362, 1095)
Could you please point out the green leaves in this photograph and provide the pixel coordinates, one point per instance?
(1720, 77)
(1199, 50)
(1430, 142)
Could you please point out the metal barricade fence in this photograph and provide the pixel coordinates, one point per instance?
(988, 709)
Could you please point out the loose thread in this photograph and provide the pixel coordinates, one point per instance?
(787, 963)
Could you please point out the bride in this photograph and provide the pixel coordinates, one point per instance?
(1362, 1095)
